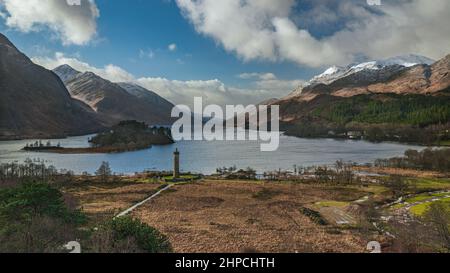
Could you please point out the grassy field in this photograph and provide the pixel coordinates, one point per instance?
(105, 200)
(239, 216)
(431, 183)
(249, 216)
(445, 143)
(425, 197)
(420, 210)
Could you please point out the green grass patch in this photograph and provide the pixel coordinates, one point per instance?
(425, 197)
(398, 206)
(376, 190)
(420, 210)
(431, 183)
(188, 177)
(445, 143)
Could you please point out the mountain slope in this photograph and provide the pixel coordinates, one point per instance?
(34, 101)
(421, 79)
(116, 102)
(336, 72)
(394, 102)
(357, 75)
(66, 72)
(151, 98)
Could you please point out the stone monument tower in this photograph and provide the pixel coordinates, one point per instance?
(176, 164)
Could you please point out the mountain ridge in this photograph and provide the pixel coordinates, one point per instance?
(376, 77)
(112, 101)
(35, 103)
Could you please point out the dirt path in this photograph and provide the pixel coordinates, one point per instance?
(126, 212)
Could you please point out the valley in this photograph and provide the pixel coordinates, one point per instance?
(361, 158)
(301, 214)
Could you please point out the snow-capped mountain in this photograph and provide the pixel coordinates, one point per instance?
(66, 72)
(337, 72)
(363, 73)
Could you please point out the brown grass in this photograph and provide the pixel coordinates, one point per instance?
(402, 172)
(221, 216)
(109, 198)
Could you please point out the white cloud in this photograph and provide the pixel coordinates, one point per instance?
(279, 30)
(269, 81)
(71, 24)
(261, 76)
(150, 54)
(263, 86)
(172, 47)
(217, 92)
(109, 72)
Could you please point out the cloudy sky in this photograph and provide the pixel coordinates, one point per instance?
(228, 51)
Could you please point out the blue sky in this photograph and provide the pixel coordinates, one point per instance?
(125, 28)
(230, 51)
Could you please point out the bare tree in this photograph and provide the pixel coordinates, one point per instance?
(104, 172)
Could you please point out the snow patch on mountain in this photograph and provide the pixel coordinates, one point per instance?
(66, 72)
(337, 72)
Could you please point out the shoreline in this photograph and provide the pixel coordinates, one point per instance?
(89, 150)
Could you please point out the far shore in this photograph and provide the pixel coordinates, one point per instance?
(46, 137)
(88, 150)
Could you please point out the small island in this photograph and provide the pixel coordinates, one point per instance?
(124, 137)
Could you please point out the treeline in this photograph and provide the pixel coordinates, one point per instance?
(388, 117)
(428, 159)
(431, 135)
(417, 110)
(235, 173)
(29, 170)
(341, 173)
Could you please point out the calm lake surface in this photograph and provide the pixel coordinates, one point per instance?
(204, 157)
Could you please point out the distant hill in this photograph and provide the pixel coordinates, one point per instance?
(409, 103)
(34, 101)
(398, 75)
(116, 102)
